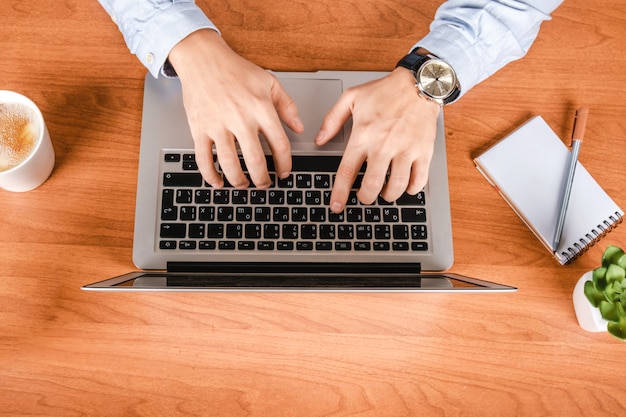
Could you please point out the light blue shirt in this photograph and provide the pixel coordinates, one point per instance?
(476, 37)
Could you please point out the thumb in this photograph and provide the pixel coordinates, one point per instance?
(334, 120)
(286, 108)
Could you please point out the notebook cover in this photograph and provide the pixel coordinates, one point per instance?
(528, 168)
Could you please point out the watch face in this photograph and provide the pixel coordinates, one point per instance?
(437, 79)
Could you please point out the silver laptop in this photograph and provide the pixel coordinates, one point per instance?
(192, 237)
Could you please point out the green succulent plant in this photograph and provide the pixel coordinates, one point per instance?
(607, 290)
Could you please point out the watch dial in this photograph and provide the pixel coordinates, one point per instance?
(437, 79)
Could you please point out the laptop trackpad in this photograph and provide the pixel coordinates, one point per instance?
(314, 97)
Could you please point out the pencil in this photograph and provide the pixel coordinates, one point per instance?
(580, 122)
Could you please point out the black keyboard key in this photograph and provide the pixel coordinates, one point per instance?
(168, 210)
(215, 231)
(188, 213)
(221, 197)
(262, 214)
(321, 180)
(354, 214)
(225, 214)
(190, 166)
(227, 245)
(182, 179)
(286, 182)
(400, 232)
(276, 197)
(327, 231)
(413, 215)
(299, 214)
(290, 231)
(411, 200)
(239, 196)
(253, 231)
(284, 246)
(362, 246)
(243, 214)
(202, 196)
(364, 231)
(317, 214)
(303, 181)
(372, 214)
(206, 213)
(280, 214)
(234, 231)
(345, 231)
(262, 245)
(343, 246)
(308, 231)
(184, 196)
(186, 245)
(207, 245)
(197, 230)
(419, 246)
(295, 198)
(313, 198)
(400, 246)
(167, 244)
(172, 157)
(324, 245)
(271, 231)
(419, 232)
(304, 245)
(173, 230)
(245, 245)
(382, 246)
(391, 215)
(382, 232)
(258, 197)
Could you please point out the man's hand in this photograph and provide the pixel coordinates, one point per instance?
(229, 101)
(393, 131)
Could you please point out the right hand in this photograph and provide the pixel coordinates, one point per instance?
(230, 100)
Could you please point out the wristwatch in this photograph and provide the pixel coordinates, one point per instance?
(434, 78)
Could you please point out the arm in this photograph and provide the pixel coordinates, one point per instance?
(393, 126)
(227, 99)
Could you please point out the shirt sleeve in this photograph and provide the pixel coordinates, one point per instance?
(151, 28)
(478, 37)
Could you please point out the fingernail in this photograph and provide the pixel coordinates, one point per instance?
(320, 136)
(336, 207)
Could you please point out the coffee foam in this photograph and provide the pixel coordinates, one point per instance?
(18, 134)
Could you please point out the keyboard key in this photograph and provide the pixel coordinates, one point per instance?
(262, 245)
(419, 232)
(258, 196)
(413, 215)
(343, 246)
(226, 245)
(284, 246)
(202, 196)
(323, 245)
(207, 245)
(167, 244)
(206, 213)
(172, 157)
(186, 245)
(253, 231)
(215, 231)
(400, 231)
(400, 246)
(182, 179)
(245, 245)
(173, 230)
(307, 245)
(419, 246)
(411, 200)
(197, 230)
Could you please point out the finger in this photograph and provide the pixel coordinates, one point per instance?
(398, 180)
(347, 172)
(373, 180)
(336, 117)
(278, 142)
(286, 108)
(419, 177)
(254, 157)
(229, 163)
(204, 160)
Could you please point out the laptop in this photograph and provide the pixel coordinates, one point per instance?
(191, 237)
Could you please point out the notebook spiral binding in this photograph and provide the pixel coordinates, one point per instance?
(592, 238)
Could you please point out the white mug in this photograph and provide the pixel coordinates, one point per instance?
(36, 166)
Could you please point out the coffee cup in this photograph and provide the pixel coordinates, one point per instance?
(26, 152)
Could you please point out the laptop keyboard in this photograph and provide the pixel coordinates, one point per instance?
(291, 215)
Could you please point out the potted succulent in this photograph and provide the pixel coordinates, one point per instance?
(600, 295)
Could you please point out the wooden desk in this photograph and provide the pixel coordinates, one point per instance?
(66, 352)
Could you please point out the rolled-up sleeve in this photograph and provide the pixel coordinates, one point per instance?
(478, 37)
(151, 28)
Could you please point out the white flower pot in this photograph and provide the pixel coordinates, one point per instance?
(588, 316)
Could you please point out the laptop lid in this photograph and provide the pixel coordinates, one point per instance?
(165, 129)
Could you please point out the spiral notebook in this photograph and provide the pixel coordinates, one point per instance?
(528, 168)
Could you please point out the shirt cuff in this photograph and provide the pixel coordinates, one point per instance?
(163, 31)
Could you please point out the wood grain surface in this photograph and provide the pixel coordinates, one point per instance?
(66, 352)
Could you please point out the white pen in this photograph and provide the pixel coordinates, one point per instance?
(580, 122)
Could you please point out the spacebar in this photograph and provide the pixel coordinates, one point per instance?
(326, 163)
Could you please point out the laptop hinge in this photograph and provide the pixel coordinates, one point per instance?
(296, 267)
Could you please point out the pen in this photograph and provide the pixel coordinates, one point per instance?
(580, 121)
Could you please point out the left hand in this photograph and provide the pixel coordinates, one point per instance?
(393, 130)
